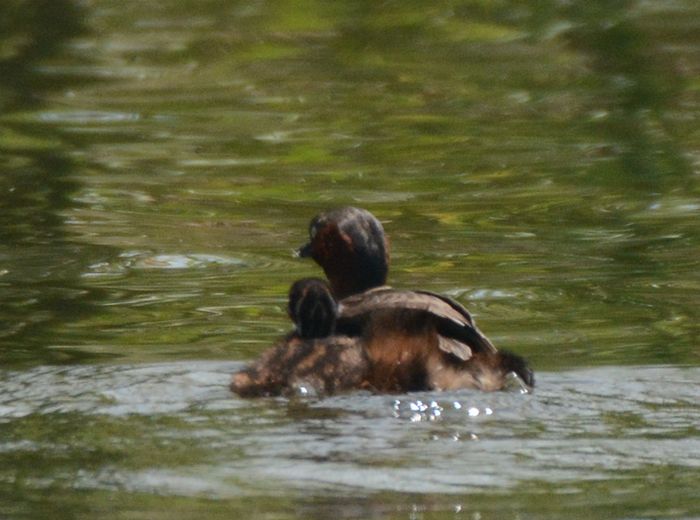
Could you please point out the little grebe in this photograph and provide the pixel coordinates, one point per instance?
(415, 340)
(309, 359)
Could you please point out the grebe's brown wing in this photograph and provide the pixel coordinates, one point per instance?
(388, 298)
(457, 333)
(468, 332)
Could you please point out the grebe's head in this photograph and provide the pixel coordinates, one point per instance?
(350, 245)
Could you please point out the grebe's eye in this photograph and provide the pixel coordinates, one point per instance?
(314, 228)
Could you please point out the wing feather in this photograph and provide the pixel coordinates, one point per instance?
(458, 333)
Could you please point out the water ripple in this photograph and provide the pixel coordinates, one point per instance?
(576, 426)
(149, 261)
(88, 116)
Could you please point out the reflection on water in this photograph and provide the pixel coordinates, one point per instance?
(31, 32)
(173, 429)
(39, 282)
(158, 164)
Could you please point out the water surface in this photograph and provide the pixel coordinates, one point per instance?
(159, 162)
(172, 429)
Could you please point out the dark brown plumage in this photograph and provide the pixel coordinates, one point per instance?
(317, 366)
(359, 333)
(310, 359)
(312, 308)
(415, 340)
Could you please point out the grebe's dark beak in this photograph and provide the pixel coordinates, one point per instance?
(304, 251)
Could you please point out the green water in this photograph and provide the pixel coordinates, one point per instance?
(159, 161)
